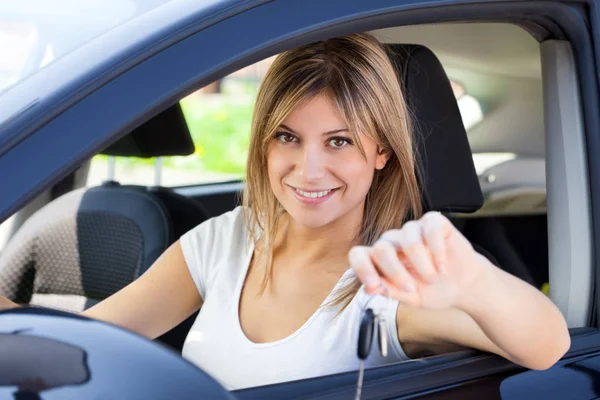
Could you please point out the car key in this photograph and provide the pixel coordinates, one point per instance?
(382, 331)
(380, 318)
(365, 342)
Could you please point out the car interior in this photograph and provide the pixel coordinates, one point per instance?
(75, 245)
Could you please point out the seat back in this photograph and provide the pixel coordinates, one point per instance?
(445, 165)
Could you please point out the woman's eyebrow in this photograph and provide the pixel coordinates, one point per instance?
(333, 132)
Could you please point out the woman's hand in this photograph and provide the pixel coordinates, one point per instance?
(427, 263)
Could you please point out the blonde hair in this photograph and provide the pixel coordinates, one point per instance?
(360, 79)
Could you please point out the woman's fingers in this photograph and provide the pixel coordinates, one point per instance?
(361, 262)
(434, 236)
(374, 278)
(386, 260)
(401, 257)
(407, 298)
(409, 242)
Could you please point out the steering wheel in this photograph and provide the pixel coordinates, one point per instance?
(44, 350)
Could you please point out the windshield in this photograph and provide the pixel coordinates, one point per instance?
(34, 33)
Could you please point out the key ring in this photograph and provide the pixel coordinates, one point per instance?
(387, 295)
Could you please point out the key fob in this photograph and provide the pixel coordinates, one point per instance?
(365, 334)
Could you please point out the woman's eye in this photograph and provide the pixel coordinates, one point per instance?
(339, 142)
(285, 137)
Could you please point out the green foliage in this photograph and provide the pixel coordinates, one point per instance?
(220, 127)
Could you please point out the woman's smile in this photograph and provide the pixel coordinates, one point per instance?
(312, 197)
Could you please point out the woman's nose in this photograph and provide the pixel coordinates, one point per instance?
(311, 165)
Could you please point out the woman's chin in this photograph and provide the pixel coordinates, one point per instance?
(311, 218)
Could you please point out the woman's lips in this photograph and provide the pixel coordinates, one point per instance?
(312, 200)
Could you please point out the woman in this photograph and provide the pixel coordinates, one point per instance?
(331, 183)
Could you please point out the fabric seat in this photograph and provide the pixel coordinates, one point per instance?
(89, 243)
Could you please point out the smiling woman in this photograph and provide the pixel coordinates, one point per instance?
(331, 173)
(330, 165)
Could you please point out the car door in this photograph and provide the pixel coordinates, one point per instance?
(197, 45)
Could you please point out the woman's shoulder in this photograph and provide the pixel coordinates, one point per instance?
(218, 241)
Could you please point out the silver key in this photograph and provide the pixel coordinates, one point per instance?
(361, 374)
(383, 339)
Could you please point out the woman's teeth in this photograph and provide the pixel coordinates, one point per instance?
(313, 195)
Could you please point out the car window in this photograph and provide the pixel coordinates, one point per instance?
(219, 117)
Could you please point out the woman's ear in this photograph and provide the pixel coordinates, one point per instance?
(382, 157)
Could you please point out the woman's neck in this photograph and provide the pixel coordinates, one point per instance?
(313, 246)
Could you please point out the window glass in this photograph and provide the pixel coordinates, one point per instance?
(33, 33)
(484, 161)
(17, 40)
(469, 107)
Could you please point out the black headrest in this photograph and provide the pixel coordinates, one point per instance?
(166, 134)
(445, 163)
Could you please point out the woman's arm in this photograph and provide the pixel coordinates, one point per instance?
(501, 315)
(161, 298)
(452, 296)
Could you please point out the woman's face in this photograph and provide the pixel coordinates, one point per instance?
(315, 169)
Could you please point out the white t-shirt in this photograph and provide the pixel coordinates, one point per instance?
(218, 257)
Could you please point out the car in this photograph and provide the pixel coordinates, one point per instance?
(513, 163)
